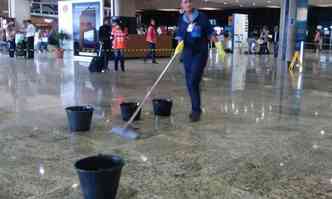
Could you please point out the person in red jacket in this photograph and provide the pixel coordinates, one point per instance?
(119, 35)
(151, 38)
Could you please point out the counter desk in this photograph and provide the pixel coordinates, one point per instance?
(137, 47)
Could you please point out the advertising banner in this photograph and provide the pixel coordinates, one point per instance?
(86, 21)
(81, 19)
(241, 29)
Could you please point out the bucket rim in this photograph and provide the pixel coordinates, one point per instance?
(120, 166)
(87, 107)
(162, 99)
(129, 103)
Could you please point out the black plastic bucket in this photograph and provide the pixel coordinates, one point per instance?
(79, 118)
(162, 107)
(128, 109)
(99, 176)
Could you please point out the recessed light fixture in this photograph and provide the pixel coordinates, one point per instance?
(168, 10)
(209, 8)
(324, 5)
(272, 6)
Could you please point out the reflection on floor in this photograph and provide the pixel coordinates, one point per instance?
(265, 133)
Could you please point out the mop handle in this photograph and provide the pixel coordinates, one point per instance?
(150, 91)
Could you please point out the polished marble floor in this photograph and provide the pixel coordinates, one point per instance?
(265, 133)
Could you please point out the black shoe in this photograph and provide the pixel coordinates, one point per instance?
(195, 117)
(155, 62)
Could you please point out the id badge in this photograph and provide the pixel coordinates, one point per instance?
(190, 27)
(196, 32)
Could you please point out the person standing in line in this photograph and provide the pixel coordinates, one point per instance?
(276, 41)
(119, 44)
(11, 32)
(30, 32)
(151, 38)
(196, 32)
(3, 39)
(44, 40)
(39, 40)
(105, 34)
(318, 41)
(264, 37)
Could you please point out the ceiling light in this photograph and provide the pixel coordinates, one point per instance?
(324, 5)
(169, 10)
(209, 8)
(272, 6)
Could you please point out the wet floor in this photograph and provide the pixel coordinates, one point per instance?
(265, 133)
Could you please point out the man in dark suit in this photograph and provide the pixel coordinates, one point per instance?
(275, 39)
(105, 33)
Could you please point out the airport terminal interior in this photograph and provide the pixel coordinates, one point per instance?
(263, 131)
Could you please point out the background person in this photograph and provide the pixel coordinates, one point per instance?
(119, 44)
(30, 31)
(3, 39)
(318, 41)
(105, 34)
(151, 38)
(264, 38)
(11, 33)
(275, 39)
(44, 41)
(196, 32)
(39, 40)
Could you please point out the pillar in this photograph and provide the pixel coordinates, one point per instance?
(301, 22)
(20, 10)
(293, 27)
(123, 8)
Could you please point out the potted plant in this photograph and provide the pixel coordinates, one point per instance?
(59, 38)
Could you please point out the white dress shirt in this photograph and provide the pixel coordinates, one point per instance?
(30, 31)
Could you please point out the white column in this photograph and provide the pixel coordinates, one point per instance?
(19, 9)
(123, 8)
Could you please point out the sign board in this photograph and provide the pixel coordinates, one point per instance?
(240, 29)
(81, 19)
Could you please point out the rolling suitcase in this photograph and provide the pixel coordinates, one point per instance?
(21, 50)
(97, 63)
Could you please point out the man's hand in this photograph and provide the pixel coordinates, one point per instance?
(179, 48)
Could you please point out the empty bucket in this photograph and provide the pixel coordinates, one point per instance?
(79, 118)
(128, 109)
(162, 107)
(99, 176)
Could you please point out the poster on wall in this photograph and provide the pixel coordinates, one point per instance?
(86, 22)
(241, 29)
